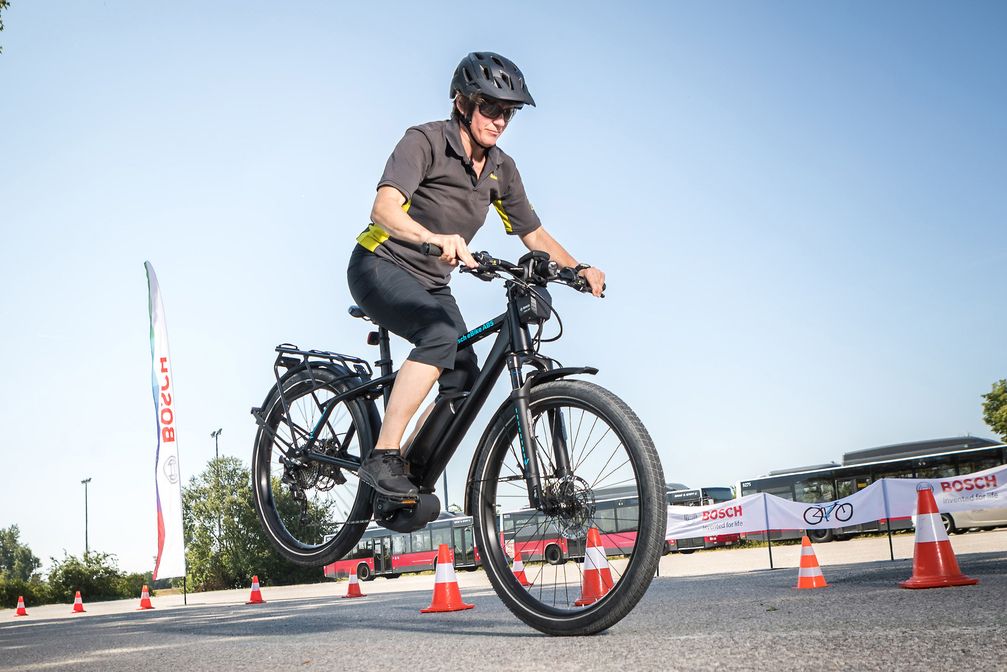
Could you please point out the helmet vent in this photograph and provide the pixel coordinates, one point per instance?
(498, 62)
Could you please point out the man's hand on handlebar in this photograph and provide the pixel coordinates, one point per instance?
(595, 278)
(453, 249)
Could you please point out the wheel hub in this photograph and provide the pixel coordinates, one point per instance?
(570, 501)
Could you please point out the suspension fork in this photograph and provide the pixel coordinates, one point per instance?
(560, 445)
(521, 396)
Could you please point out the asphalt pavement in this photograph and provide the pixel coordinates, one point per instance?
(753, 619)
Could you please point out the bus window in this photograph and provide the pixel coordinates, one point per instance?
(782, 491)
(971, 466)
(717, 495)
(441, 535)
(935, 467)
(526, 526)
(627, 518)
(847, 486)
(365, 549)
(421, 541)
(904, 472)
(815, 490)
(400, 544)
(604, 517)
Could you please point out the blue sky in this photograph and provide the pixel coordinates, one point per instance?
(800, 208)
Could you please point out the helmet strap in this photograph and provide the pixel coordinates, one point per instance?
(467, 123)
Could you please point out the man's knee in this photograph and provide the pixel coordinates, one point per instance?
(463, 376)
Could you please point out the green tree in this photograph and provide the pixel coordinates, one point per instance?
(995, 408)
(4, 4)
(16, 559)
(221, 498)
(96, 576)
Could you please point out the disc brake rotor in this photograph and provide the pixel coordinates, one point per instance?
(571, 501)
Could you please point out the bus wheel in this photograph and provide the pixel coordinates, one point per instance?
(554, 555)
(820, 536)
(364, 572)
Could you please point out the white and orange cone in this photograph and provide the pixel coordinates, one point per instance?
(934, 561)
(447, 596)
(256, 597)
(353, 590)
(518, 569)
(78, 604)
(597, 571)
(809, 575)
(21, 611)
(145, 599)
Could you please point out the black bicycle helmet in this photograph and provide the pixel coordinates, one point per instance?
(491, 75)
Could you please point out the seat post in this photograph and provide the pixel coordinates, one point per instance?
(385, 363)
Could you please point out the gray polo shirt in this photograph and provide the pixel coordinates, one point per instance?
(442, 192)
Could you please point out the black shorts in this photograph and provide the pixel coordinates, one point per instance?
(427, 318)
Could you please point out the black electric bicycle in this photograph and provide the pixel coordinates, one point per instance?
(549, 450)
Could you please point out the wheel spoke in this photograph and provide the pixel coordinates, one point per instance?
(308, 506)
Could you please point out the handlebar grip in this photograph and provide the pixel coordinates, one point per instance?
(431, 250)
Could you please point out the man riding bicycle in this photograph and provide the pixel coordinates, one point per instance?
(437, 188)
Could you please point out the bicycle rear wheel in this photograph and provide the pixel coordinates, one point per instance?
(312, 512)
(614, 462)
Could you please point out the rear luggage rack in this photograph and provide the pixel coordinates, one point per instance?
(290, 356)
(351, 363)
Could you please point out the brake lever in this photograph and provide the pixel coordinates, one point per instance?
(482, 272)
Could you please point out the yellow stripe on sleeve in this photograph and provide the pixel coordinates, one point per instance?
(372, 237)
(498, 204)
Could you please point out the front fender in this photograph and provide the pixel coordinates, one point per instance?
(533, 379)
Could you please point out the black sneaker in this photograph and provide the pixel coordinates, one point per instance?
(385, 471)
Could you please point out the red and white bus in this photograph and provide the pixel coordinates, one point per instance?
(381, 552)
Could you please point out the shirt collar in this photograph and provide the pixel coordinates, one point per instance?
(452, 133)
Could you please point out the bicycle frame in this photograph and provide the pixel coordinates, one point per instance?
(429, 454)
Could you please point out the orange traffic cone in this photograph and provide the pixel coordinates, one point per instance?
(447, 597)
(519, 569)
(78, 604)
(145, 599)
(934, 562)
(353, 590)
(21, 611)
(810, 574)
(597, 572)
(256, 597)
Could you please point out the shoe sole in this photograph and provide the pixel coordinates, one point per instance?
(397, 495)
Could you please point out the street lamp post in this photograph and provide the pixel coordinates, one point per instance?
(215, 435)
(86, 547)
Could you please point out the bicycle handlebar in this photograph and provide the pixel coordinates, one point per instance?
(536, 270)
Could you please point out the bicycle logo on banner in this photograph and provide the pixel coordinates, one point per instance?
(813, 515)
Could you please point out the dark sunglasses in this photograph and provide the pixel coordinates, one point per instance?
(494, 110)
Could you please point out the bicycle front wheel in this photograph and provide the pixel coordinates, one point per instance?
(616, 488)
(312, 512)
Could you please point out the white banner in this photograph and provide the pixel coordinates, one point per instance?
(746, 514)
(865, 506)
(167, 478)
(982, 490)
(759, 512)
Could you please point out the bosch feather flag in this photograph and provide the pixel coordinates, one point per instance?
(167, 478)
